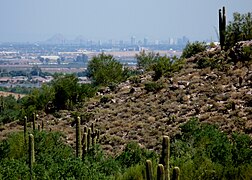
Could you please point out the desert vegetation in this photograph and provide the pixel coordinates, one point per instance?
(187, 117)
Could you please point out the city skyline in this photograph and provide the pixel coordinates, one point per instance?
(32, 21)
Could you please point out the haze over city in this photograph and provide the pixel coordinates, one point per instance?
(31, 21)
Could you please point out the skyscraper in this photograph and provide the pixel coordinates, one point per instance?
(145, 41)
(133, 40)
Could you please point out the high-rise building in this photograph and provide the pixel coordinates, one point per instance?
(133, 40)
(145, 41)
(121, 42)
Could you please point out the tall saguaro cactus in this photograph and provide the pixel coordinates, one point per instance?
(33, 121)
(164, 164)
(31, 154)
(25, 129)
(222, 26)
(84, 145)
(78, 138)
(149, 173)
(160, 172)
(176, 173)
(165, 156)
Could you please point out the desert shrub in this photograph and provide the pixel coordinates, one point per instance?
(10, 109)
(133, 154)
(240, 29)
(86, 91)
(56, 160)
(204, 152)
(135, 79)
(146, 60)
(153, 86)
(246, 53)
(104, 69)
(205, 62)
(194, 48)
(14, 169)
(134, 172)
(166, 66)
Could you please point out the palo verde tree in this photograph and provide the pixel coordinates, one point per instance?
(105, 69)
(240, 29)
(146, 60)
(193, 48)
(66, 90)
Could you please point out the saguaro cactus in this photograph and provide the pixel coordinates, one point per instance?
(33, 121)
(84, 145)
(25, 129)
(89, 139)
(222, 26)
(176, 173)
(78, 138)
(165, 156)
(149, 172)
(97, 132)
(31, 154)
(160, 172)
(42, 125)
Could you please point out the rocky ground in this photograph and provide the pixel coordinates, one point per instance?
(221, 96)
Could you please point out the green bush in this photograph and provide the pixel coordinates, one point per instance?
(133, 154)
(203, 152)
(10, 109)
(246, 54)
(166, 66)
(56, 160)
(104, 69)
(153, 86)
(145, 61)
(240, 29)
(192, 49)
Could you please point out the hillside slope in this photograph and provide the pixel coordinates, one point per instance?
(221, 95)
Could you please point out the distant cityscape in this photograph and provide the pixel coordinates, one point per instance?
(59, 39)
(59, 55)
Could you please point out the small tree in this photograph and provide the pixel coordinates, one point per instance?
(66, 91)
(192, 49)
(240, 29)
(105, 69)
(145, 61)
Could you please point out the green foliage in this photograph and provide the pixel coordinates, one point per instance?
(135, 79)
(133, 154)
(205, 62)
(38, 98)
(153, 86)
(56, 160)
(17, 89)
(145, 61)
(240, 29)
(10, 109)
(66, 91)
(192, 49)
(246, 54)
(200, 150)
(133, 173)
(105, 69)
(161, 65)
(204, 152)
(166, 66)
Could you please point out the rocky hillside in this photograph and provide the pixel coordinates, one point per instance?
(221, 96)
(143, 110)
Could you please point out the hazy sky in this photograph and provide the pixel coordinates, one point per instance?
(37, 20)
